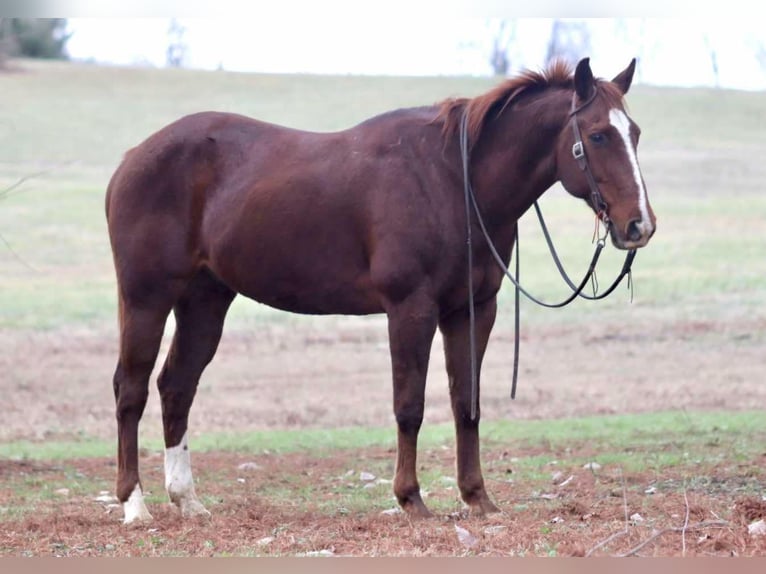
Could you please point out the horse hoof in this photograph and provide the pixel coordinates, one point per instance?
(137, 521)
(483, 507)
(132, 519)
(194, 509)
(416, 509)
(134, 508)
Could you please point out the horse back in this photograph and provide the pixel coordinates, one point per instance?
(294, 219)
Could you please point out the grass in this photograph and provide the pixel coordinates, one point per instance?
(698, 156)
(29, 490)
(711, 453)
(737, 432)
(713, 458)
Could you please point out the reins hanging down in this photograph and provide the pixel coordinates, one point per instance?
(578, 151)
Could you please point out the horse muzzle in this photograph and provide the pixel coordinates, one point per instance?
(637, 233)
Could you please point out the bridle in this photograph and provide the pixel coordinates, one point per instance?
(578, 152)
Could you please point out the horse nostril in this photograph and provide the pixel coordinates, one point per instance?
(634, 230)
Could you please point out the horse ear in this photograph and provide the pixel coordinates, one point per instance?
(583, 80)
(624, 78)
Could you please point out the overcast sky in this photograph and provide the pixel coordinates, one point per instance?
(671, 51)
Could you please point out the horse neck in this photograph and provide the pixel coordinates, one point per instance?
(514, 161)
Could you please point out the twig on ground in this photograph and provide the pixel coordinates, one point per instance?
(686, 524)
(16, 256)
(7, 191)
(699, 526)
(622, 532)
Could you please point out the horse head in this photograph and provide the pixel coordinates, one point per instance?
(597, 159)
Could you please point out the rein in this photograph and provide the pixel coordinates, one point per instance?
(578, 152)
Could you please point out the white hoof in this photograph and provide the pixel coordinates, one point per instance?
(135, 508)
(193, 507)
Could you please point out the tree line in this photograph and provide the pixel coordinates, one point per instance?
(33, 38)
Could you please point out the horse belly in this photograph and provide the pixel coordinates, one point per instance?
(312, 295)
(317, 276)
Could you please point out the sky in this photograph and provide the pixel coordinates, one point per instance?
(671, 51)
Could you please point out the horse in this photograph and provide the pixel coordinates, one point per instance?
(366, 220)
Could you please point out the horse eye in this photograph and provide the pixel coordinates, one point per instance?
(597, 138)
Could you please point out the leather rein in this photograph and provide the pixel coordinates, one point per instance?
(578, 152)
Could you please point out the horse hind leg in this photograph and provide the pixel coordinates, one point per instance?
(141, 335)
(199, 314)
(412, 325)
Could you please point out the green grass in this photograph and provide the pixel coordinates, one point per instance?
(30, 490)
(92, 115)
(738, 432)
(715, 454)
(698, 152)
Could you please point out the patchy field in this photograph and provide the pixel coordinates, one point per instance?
(299, 504)
(305, 494)
(691, 344)
(334, 372)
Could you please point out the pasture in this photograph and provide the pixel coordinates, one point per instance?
(665, 394)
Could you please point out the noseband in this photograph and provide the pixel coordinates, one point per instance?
(578, 151)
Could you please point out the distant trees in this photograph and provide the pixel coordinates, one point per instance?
(175, 55)
(569, 41)
(501, 41)
(760, 54)
(633, 32)
(33, 38)
(713, 53)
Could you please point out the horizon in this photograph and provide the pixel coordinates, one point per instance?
(455, 47)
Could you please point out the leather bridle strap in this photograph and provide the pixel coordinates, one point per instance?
(626, 266)
(578, 151)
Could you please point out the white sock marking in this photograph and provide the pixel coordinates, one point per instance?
(178, 474)
(134, 507)
(179, 481)
(621, 123)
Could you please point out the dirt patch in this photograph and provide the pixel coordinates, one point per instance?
(587, 516)
(335, 372)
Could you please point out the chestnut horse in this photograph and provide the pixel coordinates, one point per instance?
(371, 219)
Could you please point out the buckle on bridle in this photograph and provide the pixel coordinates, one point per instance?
(578, 151)
(601, 218)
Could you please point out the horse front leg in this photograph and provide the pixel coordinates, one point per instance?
(455, 331)
(411, 328)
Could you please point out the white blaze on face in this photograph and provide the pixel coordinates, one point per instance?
(179, 481)
(621, 123)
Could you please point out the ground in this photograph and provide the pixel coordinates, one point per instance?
(286, 375)
(335, 372)
(592, 514)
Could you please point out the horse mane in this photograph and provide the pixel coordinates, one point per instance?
(558, 74)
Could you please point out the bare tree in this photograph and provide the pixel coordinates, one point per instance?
(5, 45)
(713, 53)
(759, 48)
(633, 33)
(760, 55)
(569, 41)
(501, 41)
(177, 47)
